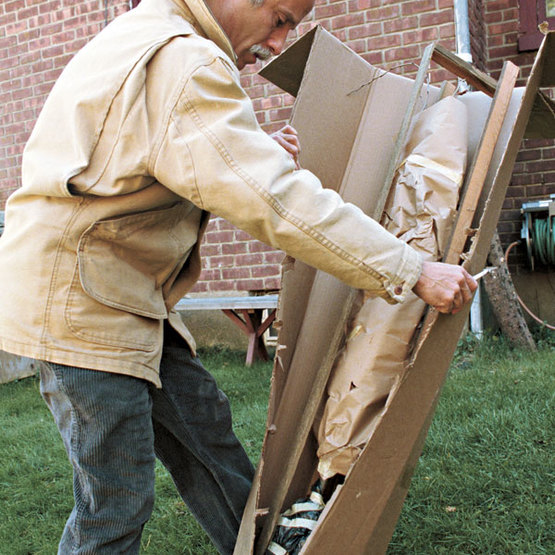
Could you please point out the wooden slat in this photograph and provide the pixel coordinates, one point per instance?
(464, 70)
(480, 166)
(474, 182)
(227, 303)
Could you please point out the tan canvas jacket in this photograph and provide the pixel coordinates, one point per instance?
(145, 133)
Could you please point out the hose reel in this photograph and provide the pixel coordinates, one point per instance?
(538, 231)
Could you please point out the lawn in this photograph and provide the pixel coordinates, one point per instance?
(484, 483)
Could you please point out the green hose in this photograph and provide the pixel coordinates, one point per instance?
(543, 240)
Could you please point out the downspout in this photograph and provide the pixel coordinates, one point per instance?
(462, 36)
(462, 30)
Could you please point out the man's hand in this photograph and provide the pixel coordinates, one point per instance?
(446, 287)
(288, 139)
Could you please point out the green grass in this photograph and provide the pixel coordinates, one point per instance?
(485, 479)
(484, 483)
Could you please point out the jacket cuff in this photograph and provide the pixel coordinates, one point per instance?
(406, 276)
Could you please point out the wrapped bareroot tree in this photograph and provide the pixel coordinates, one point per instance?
(420, 210)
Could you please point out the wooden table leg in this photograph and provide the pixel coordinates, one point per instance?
(254, 327)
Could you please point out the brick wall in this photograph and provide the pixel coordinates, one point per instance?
(534, 173)
(37, 38)
(478, 36)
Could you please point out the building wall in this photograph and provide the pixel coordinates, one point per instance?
(534, 172)
(38, 37)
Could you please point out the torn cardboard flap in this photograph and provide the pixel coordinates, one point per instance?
(348, 140)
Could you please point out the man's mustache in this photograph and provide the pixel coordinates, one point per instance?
(261, 52)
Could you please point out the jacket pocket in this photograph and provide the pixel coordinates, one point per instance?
(97, 323)
(125, 261)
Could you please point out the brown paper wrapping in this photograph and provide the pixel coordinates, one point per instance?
(420, 210)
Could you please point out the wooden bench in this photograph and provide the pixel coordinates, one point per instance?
(246, 312)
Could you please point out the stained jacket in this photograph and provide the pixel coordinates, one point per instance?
(145, 133)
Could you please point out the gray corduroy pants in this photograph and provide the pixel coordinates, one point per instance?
(113, 426)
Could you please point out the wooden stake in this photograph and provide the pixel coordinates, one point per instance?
(502, 294)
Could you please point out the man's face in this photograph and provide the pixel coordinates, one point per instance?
(264, 26)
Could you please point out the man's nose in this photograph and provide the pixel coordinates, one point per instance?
(277, 39)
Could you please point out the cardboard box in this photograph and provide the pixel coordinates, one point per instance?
(352, 119)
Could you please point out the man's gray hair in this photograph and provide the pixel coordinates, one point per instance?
(257, 2)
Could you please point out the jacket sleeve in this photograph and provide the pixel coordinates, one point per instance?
(214, 153)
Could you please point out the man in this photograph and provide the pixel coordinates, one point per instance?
(146, 132)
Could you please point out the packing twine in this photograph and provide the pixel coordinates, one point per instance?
(385, 72)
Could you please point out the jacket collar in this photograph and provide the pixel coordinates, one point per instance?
(199, 15)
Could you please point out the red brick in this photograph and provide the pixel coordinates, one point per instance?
(493, 17)
(210, 250)
(241, 235)
(515, 191)
(501, 28)
(14, 6)
(234, 248)
(427, 34)
(330, 10)
(51, 29)
(508, 204)
(249, 259)
(236, 273)
(257, 246)
(220, 285)
(347, 21)
(541, 166)
(446, 31)
(220, 262)
(219, 236)
(210, 274)
(374, 58)
(271, 102)
(27, 13)
(435, 18)
(383, 13)
(400, 24)
(358, 46)
(405, 53)
(385, 41)
(200, 287)
(355, 5)
(363, 31)
(265, 270)
(536, 191)
(503, 52)
(274, 257)
(249, 285)
(273, 283)
(418, 6)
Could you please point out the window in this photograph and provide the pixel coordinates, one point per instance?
(532, 13)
